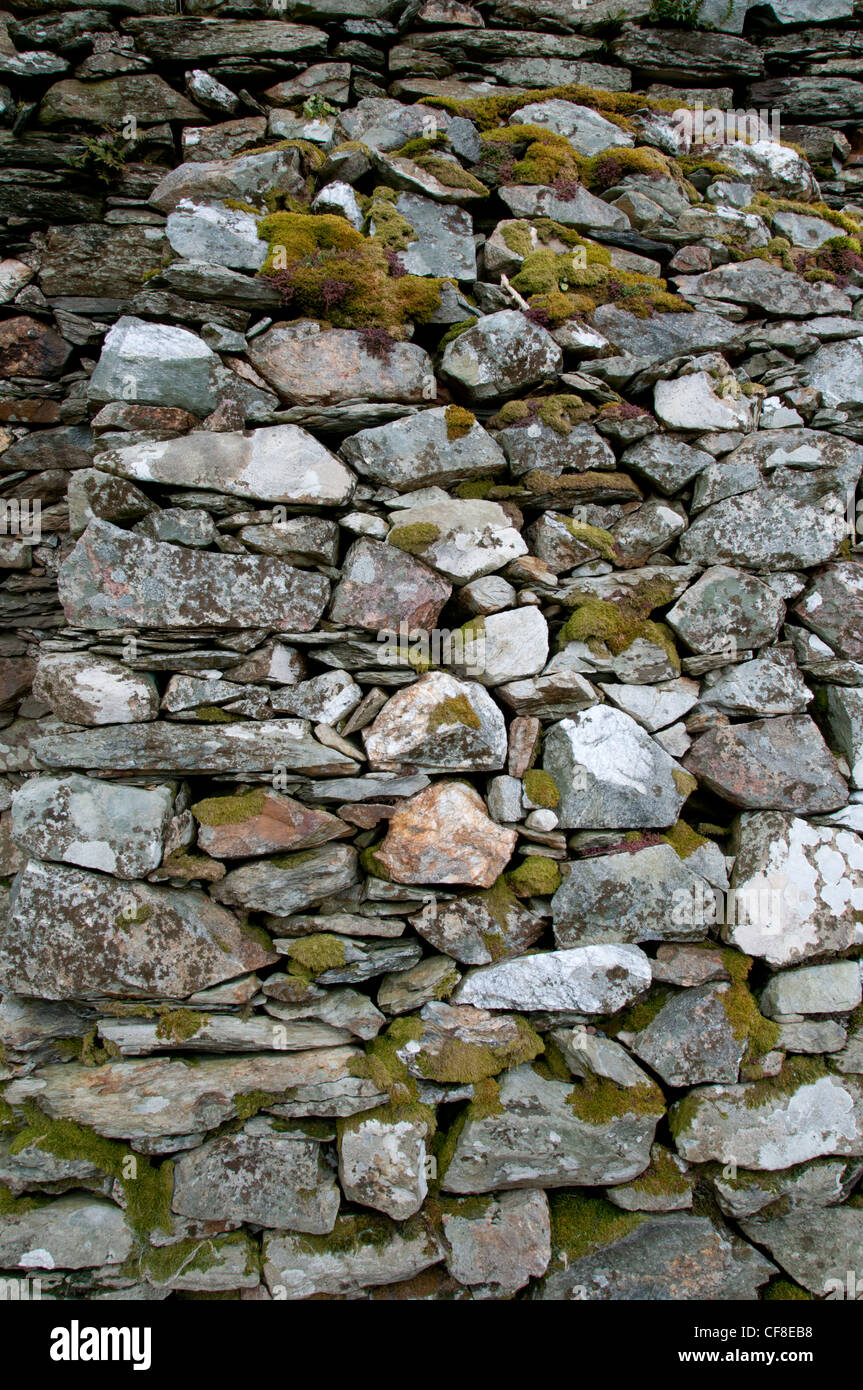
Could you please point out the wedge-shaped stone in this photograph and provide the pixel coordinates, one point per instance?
(765, 1125)
(214, 1032)
(439, 724)
(444, 835)
(382, 586)
(75, 1232)
(290, 882)
(363, 1252)
(832, 607)
(764, 530)
(96, 825)
(692, 1040)
(586, 980)
(505, 352)
(701, 615)
(797, 888)
(115, 579)
(279, 463)
(499, 1242)
(611, 775)
(311, 366)
(262, 822)
(640, 896)
(478, 928)
(75, 934)
(780, 764)
(825, 1255)
(160, 1095)
(249, 746)
(647, 1258)
(462, 538)
(424, 449)
(262, 1175)
(538, 1139)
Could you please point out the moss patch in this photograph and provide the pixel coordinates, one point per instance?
(581, 1224)
(318, 953)
(535, 877)
(597, 1100)
(462, 1062)
(230, 810)
(456, 709)
(459, 422)
(414, 538)
(541, 788)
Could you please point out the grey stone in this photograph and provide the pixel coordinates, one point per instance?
(96, 825)
(813, 989)
(439, 724)
(501, 354)
(365, 1252)
(587, 979)
(583, 210)
(825, 1255)
(631, 897)
(155, 364)
(94, 690)
(418, 450)
(382, 1164)
(726, 603)
(73, 1232)
(290, 883)
(308, 365)
(499, 1244)
(72, 933)
(778, 764)
(764, 530)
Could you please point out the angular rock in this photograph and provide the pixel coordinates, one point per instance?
(96, 825)
(611, 775)
(479, 928)
(262, 822)
(813, 989)
(382, 1164)
(76, 934)
(630, 897)
(726, 603)
(260, 1175)
(583, 210)
(156, 364)
(503, 353)
(363, 1252)
(758, 1125)
(780, 764)
(114, 579)
(443, 835)
(248, 746)
(280, 463)
(308, 365)
(586, 979)
(419, 450)
(462, 539)
(768, 287)
(439, 724)
(382, 586)
(73, 1232)
(94, 690)
(832, 607)
(692, 1039)
(290, 882)
(498, 1244)
(535, 1137)
(797, 888)
(161, 1095)
(825, 1256)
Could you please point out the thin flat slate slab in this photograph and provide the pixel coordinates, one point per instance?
(115, 579)
(75, 934)
(247, 746)
(279, 463)
(155, 1096)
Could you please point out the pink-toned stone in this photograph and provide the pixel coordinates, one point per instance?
(444, 835)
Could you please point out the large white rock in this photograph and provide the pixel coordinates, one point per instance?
(587, 979)
(279, 463)
(216, 234)
(611, 774)
(797, 888)
(97, 825)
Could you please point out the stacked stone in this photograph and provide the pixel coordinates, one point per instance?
(432, 738)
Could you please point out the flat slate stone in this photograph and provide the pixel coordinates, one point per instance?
(115, 579)
(780, 764)
(96, 825)
(278, 463)
(76, 934)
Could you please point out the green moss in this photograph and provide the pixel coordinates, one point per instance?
(450, 174)
(161, 1264)
(331, 272)
(535, 877)
(147, 1195)
(551, 1066)
(249, 1103)
(784, 1291)
(212, 714)
(456, 709)
(747, 1021)
(602, 542)
(456, 331)
(662, 1178)
(637, 1017)
(318, 953)
(459, 422)
(797, 1072)
(767, 206)
(597, 1100)
(133, 917)
(581, 1225)
(230, 810)
(683, 1114)
(415, 538)
(462, 1062)
(179, 1025)
(382, 1065)
(684, 840)
(541, 788)
(371, 864)
(390, 227)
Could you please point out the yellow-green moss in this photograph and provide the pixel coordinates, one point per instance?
(147, 1195)
(581, 1225)
(597, 1100)
(594, 537)
(684, 840)
(796, 1072)
(662, 1178)
(559, 412)
(414, 538)
(459, 422)
(390, 227)
(230, 810)
(535, 877)
(179, 1025)
(450, 174)
(455, 709)
(784, 1291)
(541, 788)
(318, 953)
(456, 331)
(462, 1062)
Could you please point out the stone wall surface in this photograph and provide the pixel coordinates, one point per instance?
(431, 666)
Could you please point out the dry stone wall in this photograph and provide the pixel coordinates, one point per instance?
(432, 656)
